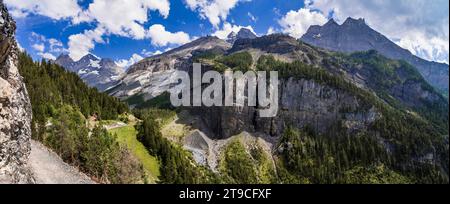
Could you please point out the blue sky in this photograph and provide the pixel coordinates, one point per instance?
(128, 30)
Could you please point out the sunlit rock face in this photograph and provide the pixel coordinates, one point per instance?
(15, 108)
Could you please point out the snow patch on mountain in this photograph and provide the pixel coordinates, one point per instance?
(96, 72)
(95, 64)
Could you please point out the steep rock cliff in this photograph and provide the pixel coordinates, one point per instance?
(302, 103)
(15, 108)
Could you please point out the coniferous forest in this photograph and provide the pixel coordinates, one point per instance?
(62, 104)
(246, 94)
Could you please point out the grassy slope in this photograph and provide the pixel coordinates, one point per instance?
(127, 136)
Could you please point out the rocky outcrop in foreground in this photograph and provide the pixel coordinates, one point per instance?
(15, 108)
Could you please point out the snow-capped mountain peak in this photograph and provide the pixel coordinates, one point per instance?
(95, 71)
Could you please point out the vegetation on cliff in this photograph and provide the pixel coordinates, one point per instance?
(61, 104)
(177, 165)
(405, 145)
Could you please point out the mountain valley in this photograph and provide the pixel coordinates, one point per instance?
(354, 108)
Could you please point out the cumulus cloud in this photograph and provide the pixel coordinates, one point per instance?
(271, 30)
(157, 52)
(417, 25)
(16, 13)
(42, 43)
(38, 47)
(37, 37)
(56, 46)
(432, 48)
(161, 37)
(47, 55)
(135, 58)
(215, 11)
(296, 23)
(127, 63)
(57, 10)
(125, 17)
(44, 47)
(147, 53)
(81, 44)
(227, 28)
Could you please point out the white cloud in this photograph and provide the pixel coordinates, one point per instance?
(47, 55)
(296, 23)
(149, 54)
(42, 43)
(81, 44)
(215, 11)
(418, 25)
(135, 58)
(60, 9)
(252, 17)
(125, 17)
(16, 13)
(161, 37)
(21, 49)
(146, 53)
(227, 28)
(433, 48)
(37, 37)
(38, 47)
(271, 30)
(56, 46)
(55, 43)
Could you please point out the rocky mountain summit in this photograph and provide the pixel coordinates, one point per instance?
(355, 35)
(15, 108)
(309, 102)
(244, 33)
(329, 93)
(96, 72)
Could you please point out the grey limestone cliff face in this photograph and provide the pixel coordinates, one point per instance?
(15, 108)
(301, 103)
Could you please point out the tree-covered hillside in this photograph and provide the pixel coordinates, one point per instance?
(407, 144)
(50, 86)
(62, 105)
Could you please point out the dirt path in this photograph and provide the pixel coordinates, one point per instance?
(48, 168)
(115, 125)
